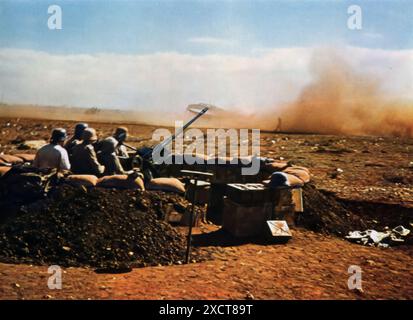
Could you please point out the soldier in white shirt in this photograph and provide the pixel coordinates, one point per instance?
(53, 155)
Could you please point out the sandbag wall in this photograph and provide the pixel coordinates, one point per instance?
(229, 170)
(8, 160)
(225, 170)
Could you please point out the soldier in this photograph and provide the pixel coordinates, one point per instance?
(107, 157)
(120, 135)
(76, 138)
(84, 159)
(53, 155)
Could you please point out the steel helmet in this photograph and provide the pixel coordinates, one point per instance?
(79, 128)
(120, 134)
(58, 135)
(108, 145)
(89, 135)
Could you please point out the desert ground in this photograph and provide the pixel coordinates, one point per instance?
(374, 180)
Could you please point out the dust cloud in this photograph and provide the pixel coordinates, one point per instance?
(341, 100)
(338, 100)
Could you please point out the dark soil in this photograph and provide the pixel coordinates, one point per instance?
(324, 213)
(327, 213)
(103, 228)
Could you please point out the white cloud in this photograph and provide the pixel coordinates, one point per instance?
(170, 81)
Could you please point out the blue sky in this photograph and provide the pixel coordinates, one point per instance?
(202, 27)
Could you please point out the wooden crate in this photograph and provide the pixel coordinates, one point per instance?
(246, 221)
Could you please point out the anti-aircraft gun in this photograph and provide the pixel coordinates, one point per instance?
(143, 157)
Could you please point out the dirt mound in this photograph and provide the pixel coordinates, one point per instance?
(323, 212)
(102, 228)
(327, 213)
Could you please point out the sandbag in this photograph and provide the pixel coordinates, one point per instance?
(300, 172)
(282, 179)
(10, 159)
(85, 180)
(275, 166)
(4, 170)
(166, 184)
(121, 181)
(26, 157)
(32, 144)
(301, 168)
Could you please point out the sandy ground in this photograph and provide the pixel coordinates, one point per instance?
(310, 266)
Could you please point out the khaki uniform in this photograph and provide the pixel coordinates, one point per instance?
(107, 156)
(111, 163)
(121, 151)
(84, 160)
(70, 144)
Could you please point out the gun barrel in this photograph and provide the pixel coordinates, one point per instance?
(164, 143)
(184, 127)
(129, 146)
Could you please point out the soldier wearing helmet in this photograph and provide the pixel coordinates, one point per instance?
(84, 159)
(107, 157)
(53, 155)
(76, 138)
(120, 135)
